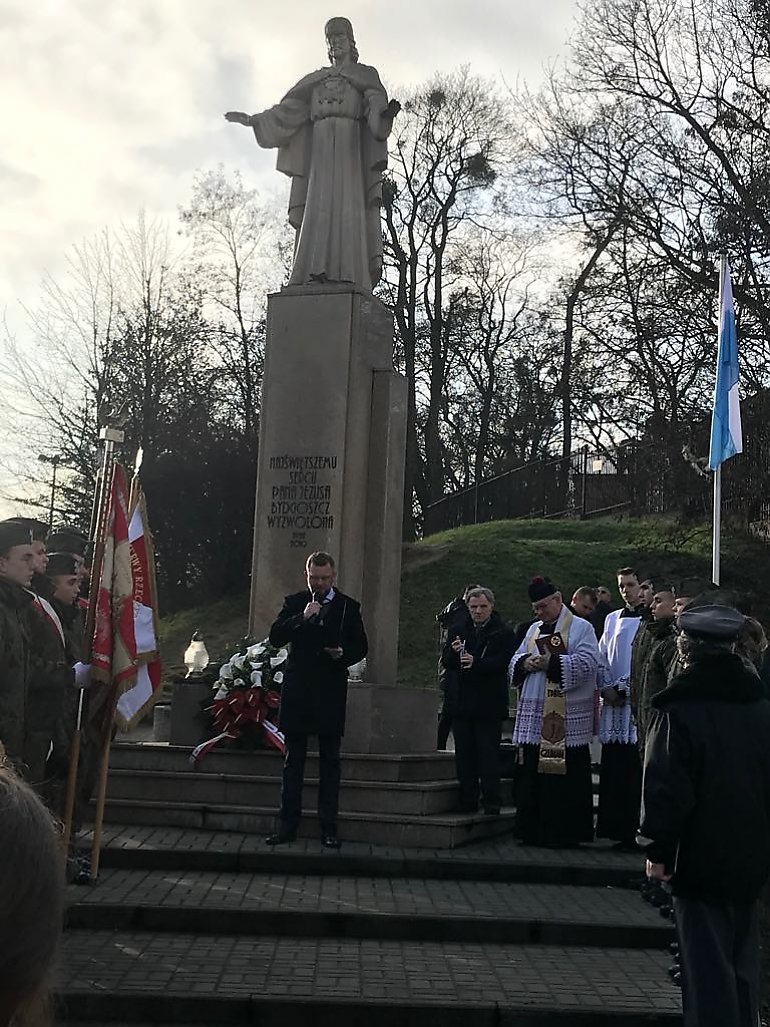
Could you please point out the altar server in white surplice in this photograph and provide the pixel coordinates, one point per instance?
(555, 672)
(620, 778)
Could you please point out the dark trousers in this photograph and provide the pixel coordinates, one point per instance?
(477, 759)
(444, 727)
(328, 781)
(620, 792)
(719, 947)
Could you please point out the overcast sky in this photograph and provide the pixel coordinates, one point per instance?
(111, 107)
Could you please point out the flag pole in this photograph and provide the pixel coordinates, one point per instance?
(716, 536)
(717, 525)
(98, 522)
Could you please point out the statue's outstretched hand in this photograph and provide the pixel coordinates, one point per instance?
(238, 117)
(392, 109)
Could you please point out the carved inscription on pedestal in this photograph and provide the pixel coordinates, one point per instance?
(302, 495)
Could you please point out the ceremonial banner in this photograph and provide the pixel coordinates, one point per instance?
(113, 660)
(138, 699)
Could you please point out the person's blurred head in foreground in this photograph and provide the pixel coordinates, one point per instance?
(31, 902)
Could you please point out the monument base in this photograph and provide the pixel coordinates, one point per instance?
(390, 719)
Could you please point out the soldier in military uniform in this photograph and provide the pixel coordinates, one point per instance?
(16, 571)
(63, 575)
(49, 669)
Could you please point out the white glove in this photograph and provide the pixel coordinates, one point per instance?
(82, 675)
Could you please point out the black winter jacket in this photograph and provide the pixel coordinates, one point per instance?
(481, 692)
(315, 686)
(706, 792)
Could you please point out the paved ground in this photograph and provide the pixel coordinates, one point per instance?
(505, 850)
(405, 896)
(236, 967)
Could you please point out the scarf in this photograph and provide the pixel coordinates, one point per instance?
(553, 738)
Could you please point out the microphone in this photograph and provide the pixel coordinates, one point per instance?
(318, 597)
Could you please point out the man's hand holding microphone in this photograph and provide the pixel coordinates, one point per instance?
(312, 615)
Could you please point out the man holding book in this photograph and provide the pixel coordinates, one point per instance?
(555, 670)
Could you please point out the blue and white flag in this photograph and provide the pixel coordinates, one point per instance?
(726, 434)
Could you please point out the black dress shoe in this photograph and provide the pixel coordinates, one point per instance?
(281, 837)
(330, 841)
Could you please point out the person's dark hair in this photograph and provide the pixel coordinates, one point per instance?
(321, 559)
(696, 650)
(31, 902)
(625, 572)
(752, 643)
(588, 593)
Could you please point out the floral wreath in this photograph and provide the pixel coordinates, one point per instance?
(247, 692)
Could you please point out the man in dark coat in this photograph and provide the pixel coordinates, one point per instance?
(453, 620)
(705, 821)
(476, 659)
(16, 571)
(49, 669)
(654, 673)
(63, 574)
(325, 635)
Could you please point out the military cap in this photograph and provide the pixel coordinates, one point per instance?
(65, 539)
(689, 588)
(13, 533)
(61, 563)
(722, 623)
(38, 528)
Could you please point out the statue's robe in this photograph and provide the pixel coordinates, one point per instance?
(332, 141)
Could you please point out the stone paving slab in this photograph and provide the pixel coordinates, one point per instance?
(136, 837)
(361, 907)
(134, 847)
(405, 896)
(236, 967)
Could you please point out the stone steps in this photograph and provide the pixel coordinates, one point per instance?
(364, 907)
(418, 798)
(410, 767)
(384, 799)
(168, 848)
(440, 830)
(224, 978)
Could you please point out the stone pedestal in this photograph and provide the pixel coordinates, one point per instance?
(331, 459)
(189, 724)
(389, 719)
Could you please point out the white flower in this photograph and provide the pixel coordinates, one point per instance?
(283, 653)
(237, 661)
(225, 672)
(222, 692)
(254, 650)
(276, 661)
(256, 677)
(239, 683)
(278, 677)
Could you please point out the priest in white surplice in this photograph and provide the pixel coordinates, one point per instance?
(555, 671)
(620, 779)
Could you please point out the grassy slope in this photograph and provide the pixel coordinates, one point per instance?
(504, 555)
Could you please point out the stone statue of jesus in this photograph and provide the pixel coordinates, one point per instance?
(331, 131)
